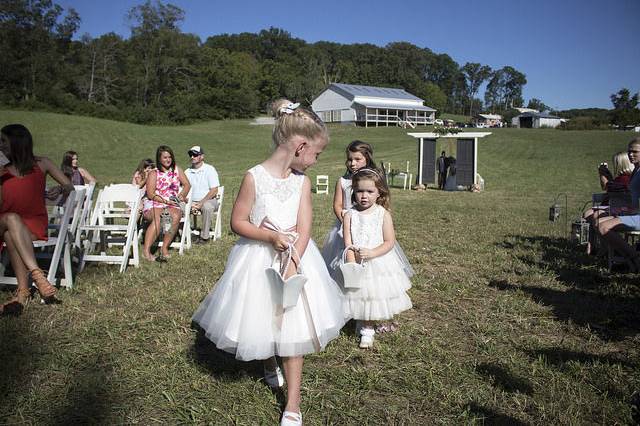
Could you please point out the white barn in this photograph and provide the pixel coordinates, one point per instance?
(536, 120)
(371, 106)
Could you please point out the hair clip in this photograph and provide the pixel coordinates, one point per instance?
(289, 108)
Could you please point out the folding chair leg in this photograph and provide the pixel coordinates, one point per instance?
(67, 281)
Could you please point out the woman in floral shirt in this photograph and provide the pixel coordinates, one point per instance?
(163, 192)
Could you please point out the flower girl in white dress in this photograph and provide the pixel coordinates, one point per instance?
(381, 291)
(359, 154)
(244, 313)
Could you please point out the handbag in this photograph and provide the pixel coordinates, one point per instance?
(288, 291)
(352, 272)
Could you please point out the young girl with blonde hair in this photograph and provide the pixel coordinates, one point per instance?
(244, 314)
(370, 239)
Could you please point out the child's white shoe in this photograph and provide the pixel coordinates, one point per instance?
(366, 337)
(274, 378)
(289, 418)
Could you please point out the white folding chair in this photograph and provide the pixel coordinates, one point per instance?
(84, 213)
(406, 178)
(217, 229)
(60, 243)
(109, 208)
(185, 233)
(322, 184)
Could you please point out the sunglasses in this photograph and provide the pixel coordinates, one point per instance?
(633, 151)
(193, 154)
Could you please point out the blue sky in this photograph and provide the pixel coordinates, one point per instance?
(575, 53)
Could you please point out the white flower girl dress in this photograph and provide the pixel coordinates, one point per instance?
(243, 314)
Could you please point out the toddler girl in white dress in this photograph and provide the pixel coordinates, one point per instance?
(369, 235)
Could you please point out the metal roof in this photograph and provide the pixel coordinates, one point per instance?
(354, 90)
(538, 115)
(490, 116)
(395, 105)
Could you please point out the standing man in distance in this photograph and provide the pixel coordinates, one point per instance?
(442, 165)
(204, 189)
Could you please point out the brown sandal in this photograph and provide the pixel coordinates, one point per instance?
(46, 290)
(16, 305)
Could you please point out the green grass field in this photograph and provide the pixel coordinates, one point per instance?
(512, 323)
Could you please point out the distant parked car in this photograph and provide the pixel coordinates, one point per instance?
(480, 125)
(438, 122)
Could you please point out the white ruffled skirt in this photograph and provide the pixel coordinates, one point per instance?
(242, 314)
(384, 292)
(332, 249)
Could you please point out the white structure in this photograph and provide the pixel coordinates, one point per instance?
(536, 120)
(371, 106)
(522, 110)
(466, 161)
(489, 120)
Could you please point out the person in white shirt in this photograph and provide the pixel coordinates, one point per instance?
(204, 183)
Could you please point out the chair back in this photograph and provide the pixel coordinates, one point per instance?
(322, 184)
(619, 199)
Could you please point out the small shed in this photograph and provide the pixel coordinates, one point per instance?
(466, 150)
(488, 120)
(536, 120)
(371, 106)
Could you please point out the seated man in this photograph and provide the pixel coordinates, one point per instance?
(204, 186)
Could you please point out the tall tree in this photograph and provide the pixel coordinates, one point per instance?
(475, 74)
(625, 108)
(538, 105)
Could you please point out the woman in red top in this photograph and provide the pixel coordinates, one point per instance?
(23, 215)
(618, 181)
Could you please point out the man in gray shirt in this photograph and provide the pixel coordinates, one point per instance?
(204, 189)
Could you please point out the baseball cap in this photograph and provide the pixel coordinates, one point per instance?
(195, 150)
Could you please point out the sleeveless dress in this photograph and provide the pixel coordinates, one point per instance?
(167, 186)
(24, 195)
(76, 178)
(243, 315)
(384, 293)
(334, 241)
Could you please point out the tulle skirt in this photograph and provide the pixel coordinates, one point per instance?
(384, 292)
(332, 249)
(243, 314)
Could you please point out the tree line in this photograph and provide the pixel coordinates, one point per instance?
(160, 74)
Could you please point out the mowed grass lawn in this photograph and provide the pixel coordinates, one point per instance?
(512, 323)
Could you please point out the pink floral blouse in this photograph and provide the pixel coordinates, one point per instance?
(167, 186)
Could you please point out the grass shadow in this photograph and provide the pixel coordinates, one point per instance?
(561, 356)
(489, 416)
(26, 357)
(89, 399)
(569, 262)
(219, 363)
(610, 317)
(503, 379)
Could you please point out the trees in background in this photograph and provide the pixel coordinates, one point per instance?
(475, 74)
(625, 108)
(160, 74)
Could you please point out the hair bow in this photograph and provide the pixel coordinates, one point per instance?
(289, 108)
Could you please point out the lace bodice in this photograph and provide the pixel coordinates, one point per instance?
(366, 228)
(277, 199)
(346, 193)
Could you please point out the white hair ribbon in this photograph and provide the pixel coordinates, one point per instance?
(289, 108)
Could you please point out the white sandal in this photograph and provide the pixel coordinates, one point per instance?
(289, 418)
(366, 337)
